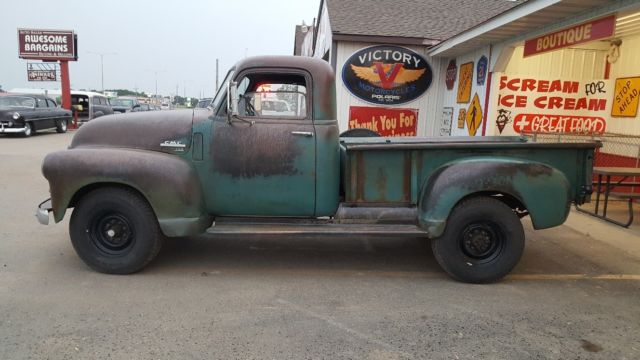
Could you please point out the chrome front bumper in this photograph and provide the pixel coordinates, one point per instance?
(43, 212)
(11, 130)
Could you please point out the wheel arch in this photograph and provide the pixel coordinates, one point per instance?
(169, 184)
(514, 182)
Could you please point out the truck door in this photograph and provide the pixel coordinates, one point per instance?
(263, 163)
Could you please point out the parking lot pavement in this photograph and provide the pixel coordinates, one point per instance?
(575, 294)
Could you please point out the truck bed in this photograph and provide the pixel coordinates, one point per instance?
(392, 170)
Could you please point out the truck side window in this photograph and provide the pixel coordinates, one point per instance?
(278, 96)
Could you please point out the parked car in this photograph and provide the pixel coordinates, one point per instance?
(124, 104)
(89, 105)
(131, 183)
(27, 114)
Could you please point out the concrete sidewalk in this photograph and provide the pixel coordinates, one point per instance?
(625, 239)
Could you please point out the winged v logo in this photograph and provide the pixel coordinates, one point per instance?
(387, 76)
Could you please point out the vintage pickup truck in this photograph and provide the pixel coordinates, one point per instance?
(135, 178)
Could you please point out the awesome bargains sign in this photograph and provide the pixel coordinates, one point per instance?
(531, 105)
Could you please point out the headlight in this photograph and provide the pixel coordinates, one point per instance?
(16, 116)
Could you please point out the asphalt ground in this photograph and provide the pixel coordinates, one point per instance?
(574, 295)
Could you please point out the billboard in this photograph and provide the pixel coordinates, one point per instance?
(46, 44)
(41, 75)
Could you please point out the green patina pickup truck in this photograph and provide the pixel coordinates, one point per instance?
(267, 157)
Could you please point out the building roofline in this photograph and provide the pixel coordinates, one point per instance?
(506, 17)
(403, 40)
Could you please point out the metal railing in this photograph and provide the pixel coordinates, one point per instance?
(618, 150)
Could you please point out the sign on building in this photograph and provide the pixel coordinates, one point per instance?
(387, 74)
(625, 99)
(47, 44)
(534, 105)
(589, 31)
(384, 121)
(464, 83)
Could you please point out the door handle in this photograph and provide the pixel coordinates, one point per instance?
(303, 133)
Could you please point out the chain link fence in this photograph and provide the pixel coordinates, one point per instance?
(617, 150)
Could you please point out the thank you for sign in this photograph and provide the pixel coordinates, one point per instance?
(387, 74)
(384, 121)
(593, 30)
(46, 44)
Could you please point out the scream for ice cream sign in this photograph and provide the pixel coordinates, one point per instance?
(528, 105)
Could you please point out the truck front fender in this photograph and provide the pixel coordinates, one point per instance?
(169, 183)
(542, 189)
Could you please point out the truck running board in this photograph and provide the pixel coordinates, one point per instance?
(322, 229)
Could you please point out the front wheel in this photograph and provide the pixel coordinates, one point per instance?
(482, 243)
(115, 231)
(61, 126)
(29, 129)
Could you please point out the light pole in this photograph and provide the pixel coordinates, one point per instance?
(155, 73)
(102, 54)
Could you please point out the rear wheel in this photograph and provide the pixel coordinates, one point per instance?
(61, 126)
(115, 231)
(482, 243)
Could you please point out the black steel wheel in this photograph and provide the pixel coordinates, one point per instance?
(61, 126)
(482, 243)
(115, 231)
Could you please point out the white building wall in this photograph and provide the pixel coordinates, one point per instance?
(450, 96)
(428, 105)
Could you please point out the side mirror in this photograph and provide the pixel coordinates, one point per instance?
(232, 99)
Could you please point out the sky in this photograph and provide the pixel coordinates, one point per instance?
(175, 43)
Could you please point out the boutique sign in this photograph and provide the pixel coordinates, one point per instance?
(387, 75)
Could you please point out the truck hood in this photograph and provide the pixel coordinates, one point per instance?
(166, 131)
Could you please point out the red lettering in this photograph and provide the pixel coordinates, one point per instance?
(503, 82)
(513, 84)
(528, 85)
(543, 86)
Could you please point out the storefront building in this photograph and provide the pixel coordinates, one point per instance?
(431, 68)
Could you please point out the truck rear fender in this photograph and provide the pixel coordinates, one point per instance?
(542, 190)
(167, 182)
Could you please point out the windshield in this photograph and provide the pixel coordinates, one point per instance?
(17, 101)
(122, 102)
(222, 90)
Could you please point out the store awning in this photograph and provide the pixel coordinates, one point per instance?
(533, 18)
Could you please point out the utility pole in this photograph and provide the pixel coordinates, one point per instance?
(216, 76)
(101, 54)
(155, 73)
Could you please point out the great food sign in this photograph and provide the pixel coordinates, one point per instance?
(528, 105)
(387, 75)
(46, 44)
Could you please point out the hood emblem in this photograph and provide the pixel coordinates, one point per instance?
(173, 144)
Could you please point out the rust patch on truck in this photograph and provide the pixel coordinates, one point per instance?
(244, 151)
